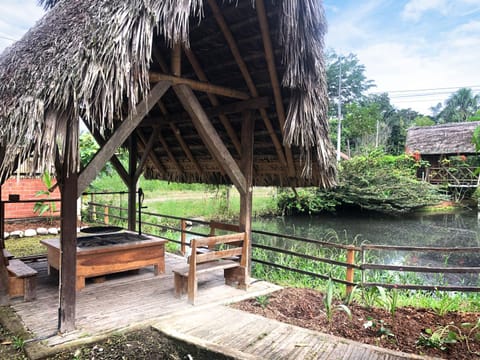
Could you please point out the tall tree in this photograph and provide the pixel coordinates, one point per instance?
(460, 106)
(354, 82)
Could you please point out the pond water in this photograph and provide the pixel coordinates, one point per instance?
(461, 229)
(442, 230)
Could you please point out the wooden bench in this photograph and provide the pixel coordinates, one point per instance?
(21, 280)
(227, 252)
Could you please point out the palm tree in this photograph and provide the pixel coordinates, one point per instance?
(460, 106)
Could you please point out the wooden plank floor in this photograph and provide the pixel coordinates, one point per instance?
(123, 301)
(247, 336)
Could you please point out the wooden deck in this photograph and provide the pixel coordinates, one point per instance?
(243, 335)
(123, 301)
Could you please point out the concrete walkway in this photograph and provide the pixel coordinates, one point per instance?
(248, 336)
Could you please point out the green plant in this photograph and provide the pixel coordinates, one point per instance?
(41, 207)
(379, 327)
(262, 300)
(369, 296)
(444, 304)
(388, 300)
(330, 309)
(438, 339)
(18, 343)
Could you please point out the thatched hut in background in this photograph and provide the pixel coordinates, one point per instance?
(206, 91)
(437, 142)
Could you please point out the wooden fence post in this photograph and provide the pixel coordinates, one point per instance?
(105, 215)
(183, 224)
(351, 261)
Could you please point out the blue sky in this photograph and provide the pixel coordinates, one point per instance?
(404, 44)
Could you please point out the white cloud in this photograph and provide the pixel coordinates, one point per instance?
(415, 9)
(16, 18)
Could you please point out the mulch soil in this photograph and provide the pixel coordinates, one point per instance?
(304, 307)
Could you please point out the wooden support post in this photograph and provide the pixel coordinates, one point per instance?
(132, 182)
(4, 298)
(183, 237)
(105, 215)
(248, 128)
(68, 245)
(349, 275)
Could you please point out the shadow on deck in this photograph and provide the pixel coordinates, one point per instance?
(124, 301)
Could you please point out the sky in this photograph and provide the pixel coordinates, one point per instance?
(419, 51)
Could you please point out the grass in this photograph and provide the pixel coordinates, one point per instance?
(26, 246)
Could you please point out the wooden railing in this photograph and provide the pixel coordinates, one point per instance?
(357, 266)
(462, 176)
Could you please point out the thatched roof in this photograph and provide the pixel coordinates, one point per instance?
(95, 59)
(445, 139)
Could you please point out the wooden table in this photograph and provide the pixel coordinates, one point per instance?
(134, 253)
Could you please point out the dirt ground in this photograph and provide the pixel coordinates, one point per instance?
(304, 307)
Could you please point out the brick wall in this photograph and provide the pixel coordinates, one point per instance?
(26, 188)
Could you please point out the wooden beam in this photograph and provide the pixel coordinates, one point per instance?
(246, 75)
(210, 136)
(120, 135)
(153, 157)
(272, 71)
(4, 297)
(185, 147)
(248, 129)
(146, 151)
(199, 86)
(169, 153)
(68, 229)
(176, 59)
(114, 160)
(233, 108)
(213, 99)
(132, 181)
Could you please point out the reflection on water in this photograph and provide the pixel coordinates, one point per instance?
(443, 230)
(432, 230)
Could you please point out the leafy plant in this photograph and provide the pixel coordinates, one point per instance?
(369, 296)
(388, 300)
(18, 343)
(262, 300)
(41, 207)
(330, 309)
(438, 339)
(379, 327)
(444, 305)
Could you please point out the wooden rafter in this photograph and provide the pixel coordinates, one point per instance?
(169, 153)
(114, 160)
(213, 99)
(146, 151)
(233, 108)
(199, 86)
(210, 136)
(163, 65)
(120, 135)
(153, 157)
(246, 75)
(272, 71)
(185, 148)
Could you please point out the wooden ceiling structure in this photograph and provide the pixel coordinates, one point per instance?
(209, 91)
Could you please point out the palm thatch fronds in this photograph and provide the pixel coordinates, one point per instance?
(91, 59)
(444, 139)
(84, 58)
(302, 29)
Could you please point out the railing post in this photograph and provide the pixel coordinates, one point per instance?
(183, 225)
(105, 215)
(350, 261)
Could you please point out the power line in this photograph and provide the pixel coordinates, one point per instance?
(422, 90)
(7, 38)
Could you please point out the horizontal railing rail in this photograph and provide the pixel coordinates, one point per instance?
(355, 255)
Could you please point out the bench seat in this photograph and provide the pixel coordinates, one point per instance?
(21, 280)
(229, 257)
